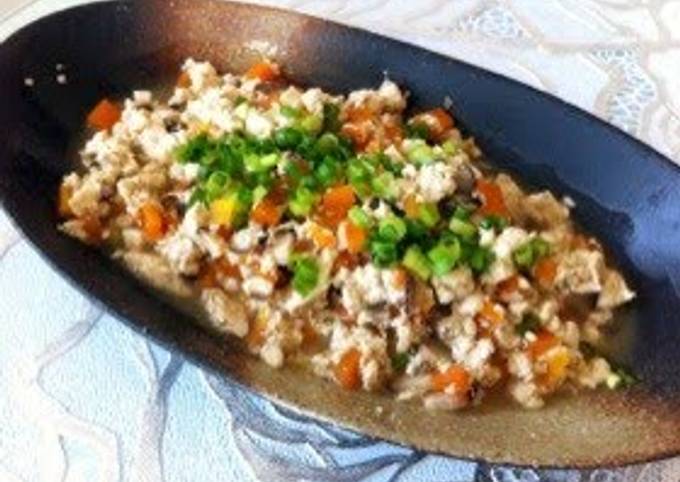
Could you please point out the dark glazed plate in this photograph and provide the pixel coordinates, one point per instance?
(626, 194)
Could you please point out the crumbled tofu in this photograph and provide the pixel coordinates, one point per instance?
(615, 291)
(581, 272)
(258, 287)
(258, 125)
(436, 181)
(594, 373)
(226, 313)
(454, 286)
(182, 253)
(245, 239)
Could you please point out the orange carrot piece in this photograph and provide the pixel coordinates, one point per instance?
(104, 116)
(322, 237)
(455, 376)
(256, 335)
(441, 122)
(347, 370)
(358, 133)
(543, 343)
(63, 206)
(556, 369)
(265, 71)
(507, 287)
(184, 80)
(335, 204)
(266, 212)
(545, 271)
(491, 313)
(492, 199)
(152, 221)
(356, 237)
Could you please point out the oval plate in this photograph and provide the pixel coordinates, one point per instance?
(626, 194)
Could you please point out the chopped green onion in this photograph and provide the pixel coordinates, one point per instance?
(528, 253)
(360, 217)
(417, 263)
(383, 185)
(287, 138)
(428, 214)
(465, 229)
(494, 222)
(327, 144)
(259, 193)
(331, 114)
(444, 257)
(290, 112)
(400, 361)
(302, 202)
(530, 322)
(306, 274)
(391, 228)
(327, 172)
(214, 185)
(462, 212)
(480, 259)
(359, 175)
(450, 147)
(417, 130)
(416, 231)
(419, 152)
(256, 163)
(240, 100)
(383, 253)
(311, 123)
(621, 378)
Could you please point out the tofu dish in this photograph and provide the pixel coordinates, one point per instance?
(377, 249)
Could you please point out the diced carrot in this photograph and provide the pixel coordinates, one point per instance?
(507, 287)
(152, 221)
(556, 369)
(208, 277)
(309, 335)
(266, 212)
(347, 370)
(104, 116)
(258, 327)
(411, 206)
(441, 121)
(455, 376)
(543, 343)
(358, 133)
(335, 204)
(360, 114)
(184, 80)
(265, 71)
(345, 260)
(393, 133)
(356, 237)
(92, 226)
(399, 279)
(322, 237)
(63, 206)
(492, 199)
(491, 313)
(545, 271)
(423, 299)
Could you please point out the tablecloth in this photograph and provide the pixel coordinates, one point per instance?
(83, 398)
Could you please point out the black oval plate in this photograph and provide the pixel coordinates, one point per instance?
(626, 194)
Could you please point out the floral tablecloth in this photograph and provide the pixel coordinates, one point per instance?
(82, 398)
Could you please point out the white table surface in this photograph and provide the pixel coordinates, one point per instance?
(82, 398)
